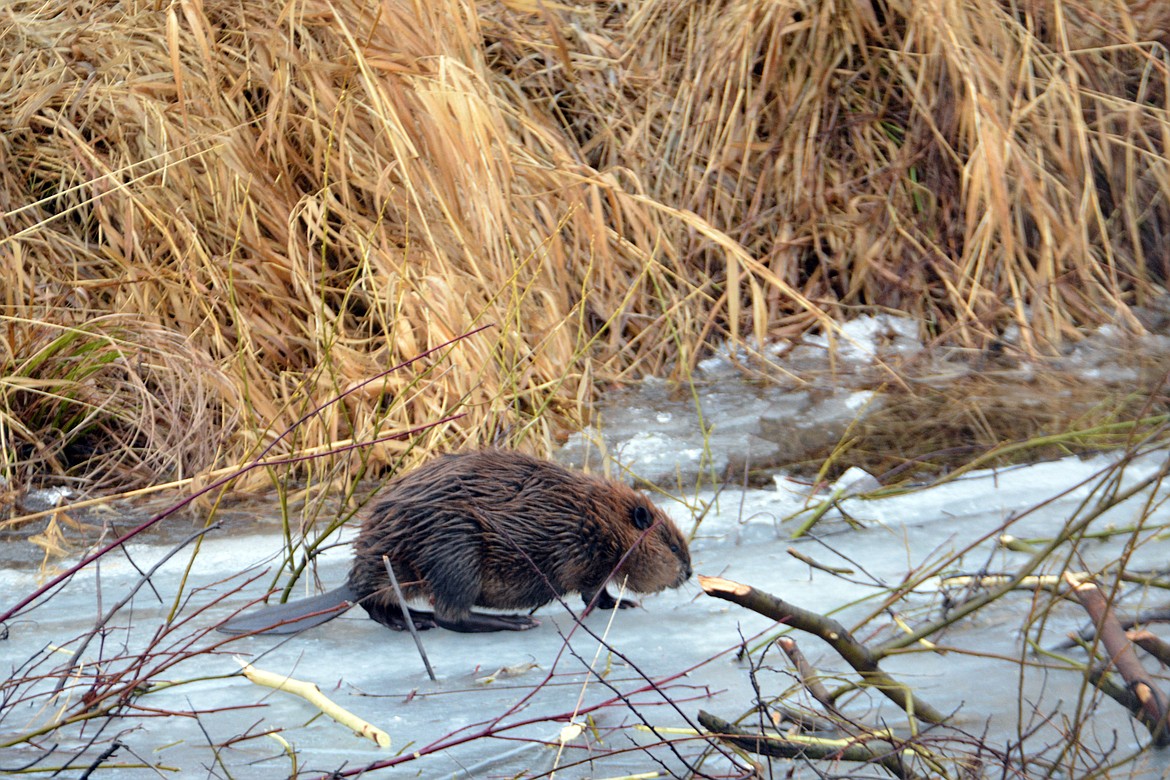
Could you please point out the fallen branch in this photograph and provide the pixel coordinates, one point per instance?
(1153, 706)
(1151, 643)
(807, 674)
(855, 654)
(312, 694)
(795, 746)
(1159, 615)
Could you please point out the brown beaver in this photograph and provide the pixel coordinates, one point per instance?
(494, 529)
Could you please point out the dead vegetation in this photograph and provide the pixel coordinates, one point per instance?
(995, 419)
(215, 215)
(287, 198)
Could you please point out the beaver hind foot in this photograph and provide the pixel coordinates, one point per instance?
(390, 615)
(481, 622)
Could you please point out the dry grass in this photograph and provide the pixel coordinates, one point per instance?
(995, 420)
(107, 389)
(294, 196)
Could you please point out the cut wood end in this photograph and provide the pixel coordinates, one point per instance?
(716, 585)
(374, 734)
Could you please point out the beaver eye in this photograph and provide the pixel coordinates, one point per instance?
(641, 517)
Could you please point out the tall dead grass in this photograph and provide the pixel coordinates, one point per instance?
(302, 193)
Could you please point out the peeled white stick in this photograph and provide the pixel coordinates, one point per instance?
(312, 694)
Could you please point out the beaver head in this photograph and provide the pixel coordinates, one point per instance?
(657, 557)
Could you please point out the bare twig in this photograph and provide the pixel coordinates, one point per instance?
(145, 578)
(110, 750)
(406, 616)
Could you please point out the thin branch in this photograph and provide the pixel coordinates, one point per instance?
(406, 616)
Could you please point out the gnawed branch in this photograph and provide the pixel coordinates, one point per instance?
(1148, 703)
(854, 653)
(312, 694)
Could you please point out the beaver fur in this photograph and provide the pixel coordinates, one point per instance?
(500, 530)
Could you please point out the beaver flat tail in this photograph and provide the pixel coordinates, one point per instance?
(294, 617)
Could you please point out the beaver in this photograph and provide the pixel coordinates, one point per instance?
(496, 529)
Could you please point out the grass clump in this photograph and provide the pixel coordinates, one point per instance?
(988, 420)
(298, 195)
(109, 401)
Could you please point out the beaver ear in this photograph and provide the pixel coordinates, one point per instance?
(641, 517)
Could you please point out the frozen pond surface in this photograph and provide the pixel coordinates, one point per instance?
(789, 403)
(378, 675)
(526, 687)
